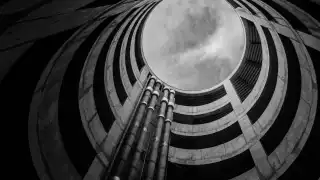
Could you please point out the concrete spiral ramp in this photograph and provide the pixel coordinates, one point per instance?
(72, 72)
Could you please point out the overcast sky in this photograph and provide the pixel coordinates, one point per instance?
(193, 44)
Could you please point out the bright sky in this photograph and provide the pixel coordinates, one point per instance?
(193, 44)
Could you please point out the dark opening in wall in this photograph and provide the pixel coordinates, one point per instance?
(120, 89)
(75, 139)
(248, 7)
(282, 123)
(233, 3)
(304, 166)
(203, 118)
(17, 89)
(222, 170)
(262, 10)
(201, 98)
(131, 75)
(247, 75)
(137, 48)
(259, 107)
(103, 107)
(206, 141)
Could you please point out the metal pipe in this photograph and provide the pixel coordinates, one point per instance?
(155, 147)
(127, 147)
(164, 149)
(133, 170)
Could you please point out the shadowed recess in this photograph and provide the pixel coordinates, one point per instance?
(262, 10)
(282, 123)
(293, 20)
(69, 114)
(132, 77)
(103, 107)
(99, 91)
(222, 170)
(120, 89)
(247, 75)
(137, 47)
(233, 4)
(206, 141)
(309, 7)
(99, 3)
(200, 98)
(27, 71)
(304, 166)
(203, 118)
(248, 7)
(261, 104)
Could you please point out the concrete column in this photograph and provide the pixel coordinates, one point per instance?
(155, 95)
(164, 149)
(127, 147)
(155, 146)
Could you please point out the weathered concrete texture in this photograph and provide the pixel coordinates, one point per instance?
(87, 106)
(260, 159)
(274, 161)
(95, 171)
(273, 108)
(247, 129)
(97, 129)
(310, 40)
(111, 140)
(282, 59)
(233, 98)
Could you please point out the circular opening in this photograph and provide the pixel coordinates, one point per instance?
(193, 45)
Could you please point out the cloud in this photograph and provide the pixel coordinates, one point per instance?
(193, 44)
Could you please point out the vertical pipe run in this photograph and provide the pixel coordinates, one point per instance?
(155, 146)
(165, 146)
(133, 132)
(140, 147)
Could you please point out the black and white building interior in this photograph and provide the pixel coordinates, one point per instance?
(87, 95)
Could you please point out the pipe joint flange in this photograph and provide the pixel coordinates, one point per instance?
(161, 115)
(165, 99)
(166, 88)
(158, 81)
(145, 102)
(168, 120)
(153, 77)
(172, 91)
(156, 93)
(115, 178)
(149, 88)
(151, 108)
(171, 104)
